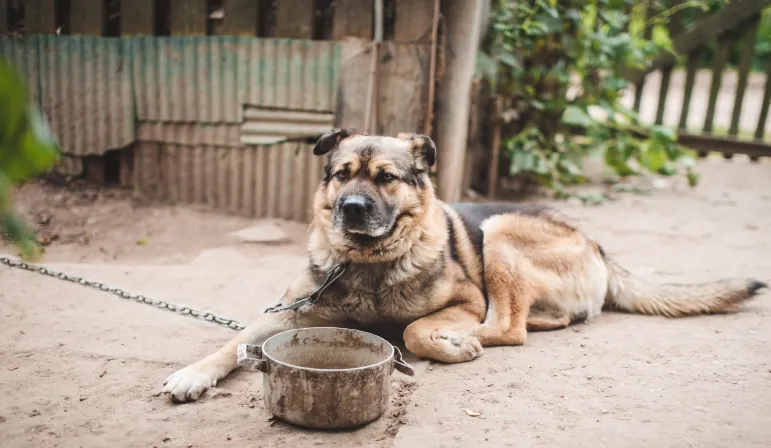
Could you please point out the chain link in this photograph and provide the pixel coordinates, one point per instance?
(161, 304)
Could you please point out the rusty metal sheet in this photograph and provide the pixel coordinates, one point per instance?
(267, 126)
(23, 54)
(208, 79)
(85, 92)
(265, 181)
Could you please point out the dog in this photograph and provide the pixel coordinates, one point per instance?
(456, 278)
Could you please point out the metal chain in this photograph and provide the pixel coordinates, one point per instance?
(161, 304)
(332, 275)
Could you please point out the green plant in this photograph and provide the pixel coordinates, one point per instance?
(26, 149)
(558, 64)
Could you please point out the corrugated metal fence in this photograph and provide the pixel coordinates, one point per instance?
(182, 101)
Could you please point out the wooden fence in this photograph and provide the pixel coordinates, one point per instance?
(189, 100)
(734, 24)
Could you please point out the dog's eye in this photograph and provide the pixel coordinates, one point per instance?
(387, 177)
(342, 176)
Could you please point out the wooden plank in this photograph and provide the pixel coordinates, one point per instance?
(137, 17)
(40, 16)
(666, 74)
(353, 18)
(3, 16)
(495, 146)
(725, 19)
(746, 52)
(414, 19)
(761, 129)
(188, 17)
(690, 79)
(721, 57)
(241, 18)
(726, 145)
(294, 19)
(640, 83)
(87, 17)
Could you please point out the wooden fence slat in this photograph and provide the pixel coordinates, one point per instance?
(40, 16)
(666, 74)
(721, 57)
(690, 79)
(241, 18)
(761, 129)
(413, 20)
(3, 16)
(727, 18)
(137, 17)
(87, 17)
(747, 50)
(353, 18)
(640, 83)
(294, 19)
(188, 17)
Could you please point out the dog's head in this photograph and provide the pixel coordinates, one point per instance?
(374, 189)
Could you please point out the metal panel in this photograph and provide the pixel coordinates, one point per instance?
(208, 79)
(266, 126)
(23, 54)
(276, 181)
(85, 92)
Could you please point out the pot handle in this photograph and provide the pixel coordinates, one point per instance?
(250, 356)
(400, 364)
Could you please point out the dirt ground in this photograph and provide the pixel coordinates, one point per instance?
(82, 368)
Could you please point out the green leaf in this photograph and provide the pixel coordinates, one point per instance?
(575, 116)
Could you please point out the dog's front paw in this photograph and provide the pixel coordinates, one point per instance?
(189, 383)
(457, 346)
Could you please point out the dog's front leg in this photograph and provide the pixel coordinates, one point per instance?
(189, 383)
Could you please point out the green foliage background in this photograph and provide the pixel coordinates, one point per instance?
(26, 149)
(558, 65)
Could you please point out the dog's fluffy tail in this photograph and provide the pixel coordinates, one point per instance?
(628, 293)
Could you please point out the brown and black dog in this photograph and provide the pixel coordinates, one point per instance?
(456, 277)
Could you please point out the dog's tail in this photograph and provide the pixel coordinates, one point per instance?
(628, 293)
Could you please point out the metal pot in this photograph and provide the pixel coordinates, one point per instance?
(325, 377)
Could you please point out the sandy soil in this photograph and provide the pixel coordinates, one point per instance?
(81, 368)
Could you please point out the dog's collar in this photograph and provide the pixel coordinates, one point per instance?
(332, 275)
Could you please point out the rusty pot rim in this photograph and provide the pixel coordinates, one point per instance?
(267, 355)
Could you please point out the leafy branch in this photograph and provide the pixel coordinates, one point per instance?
(26, 149)
(559, 65)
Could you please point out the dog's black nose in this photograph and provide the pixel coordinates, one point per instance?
(354, 209)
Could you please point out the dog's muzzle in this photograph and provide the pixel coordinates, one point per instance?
(355, 210)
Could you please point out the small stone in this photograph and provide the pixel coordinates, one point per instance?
(82, 398)
(34, 413)
(604, 411)
(265, 233)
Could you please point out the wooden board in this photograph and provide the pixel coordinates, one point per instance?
(39, 16)
(87, 17)
(241, 18)
(137, 17)
(188, 17)
(294, 19)
(353, 18)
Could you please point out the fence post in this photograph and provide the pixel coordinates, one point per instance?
(464, 24)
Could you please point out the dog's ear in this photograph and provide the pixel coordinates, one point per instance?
(330, 140)
(423, 149)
